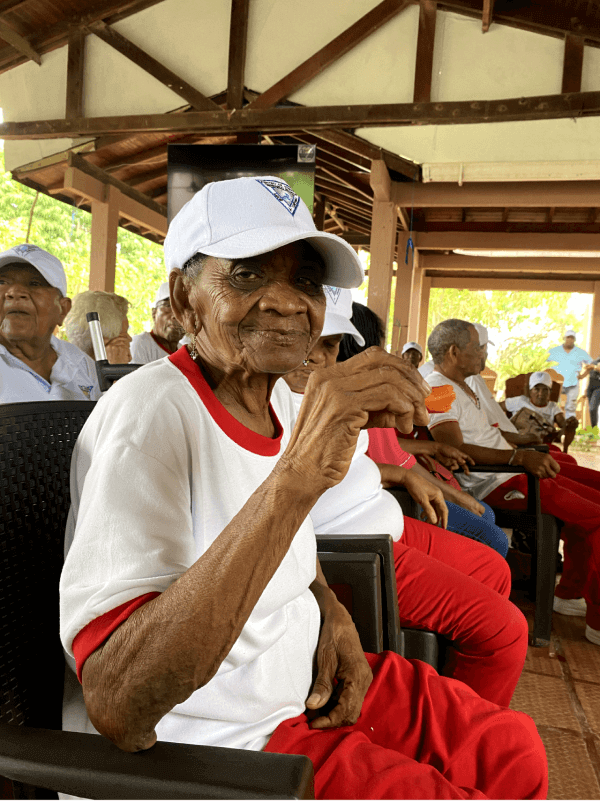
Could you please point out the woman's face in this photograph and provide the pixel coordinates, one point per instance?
(261, 314)
(539, 395)
(30, 308)
(324, 354)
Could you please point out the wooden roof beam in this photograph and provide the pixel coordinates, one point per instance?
(572, 63)
(19, 43)
(546, 265)
(518, 194)
(75, 65)
(238, 35)
(513, 284)
(485, 240)
(327, 55)
(153, 67)
(425, 46)
(486, 15)
(380, 180)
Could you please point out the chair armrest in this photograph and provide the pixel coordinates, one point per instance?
(90, 766)
(540, 448)
(534, 506)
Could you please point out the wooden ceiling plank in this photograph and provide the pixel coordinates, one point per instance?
(75, 65)
(452, 240)
(153, 67)
(403, 217)
(365, 149)
(486, 15)
(327, 55)
(10, 5)
(518, 194)
(238, 36)
(572, 63)
(425, 47)
(492, 264)
(345, 181)
(514, 284)
(341, 191)
(19, 43)
(146, 177)
(346, 202)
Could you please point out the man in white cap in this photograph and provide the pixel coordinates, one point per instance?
(34, 364)
(538, 400)
(413, 353)
(165, 335)
(570, 359)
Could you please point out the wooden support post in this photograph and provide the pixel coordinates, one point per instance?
(105, 226)
(416, 291)
(595, 328)
(75, 64)
(383, 241)
(402, 297)
(319, 212)
(424, 314)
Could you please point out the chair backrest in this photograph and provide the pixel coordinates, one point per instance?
(490, 376)
(519, 384)
(36, 443)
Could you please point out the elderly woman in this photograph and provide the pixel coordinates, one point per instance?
(112, 310)
(34, 364)
(191, 599)
(166, 331)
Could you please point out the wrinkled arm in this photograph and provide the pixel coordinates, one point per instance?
(450, 434)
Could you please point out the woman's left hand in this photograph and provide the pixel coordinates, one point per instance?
(339, 656)
(429, 497)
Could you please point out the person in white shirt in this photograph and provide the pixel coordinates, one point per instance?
(34, 364)
(191, 596)
(112, 310)
(538, 400)
(573, 496)
(166, 334)
(413, 352)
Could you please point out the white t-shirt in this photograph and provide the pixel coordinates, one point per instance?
(144, 349)
(476, 430)
(427, 368)
(358, 504)
(495, 413)
(548, 412)
(73, 377)
(158, 471)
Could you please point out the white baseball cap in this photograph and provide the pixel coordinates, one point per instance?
(483, 334)
(338, 313)
(413, 345)
(570, 333)
(162, 293)
(246, 217)
(540, 378)
(45, 263)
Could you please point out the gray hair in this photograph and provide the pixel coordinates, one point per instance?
(448, 333)
(193, 266)
(111, 308)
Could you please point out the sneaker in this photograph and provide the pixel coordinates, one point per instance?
(570, 606)
(593, 635)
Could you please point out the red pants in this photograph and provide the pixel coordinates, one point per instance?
(459, 588)
(573, 497)
(421, 735)
(561, 457)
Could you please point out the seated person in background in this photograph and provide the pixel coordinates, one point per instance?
(413, 352)
(34, 364)
(206, 622)
(538, 400)
(593, 388)
(112, 310)
(573, 496)
(165, 335)
(446, 582)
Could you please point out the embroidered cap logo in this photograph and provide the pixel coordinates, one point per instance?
(23, 250)
(283, 193)
(86, 390)
(333, 292)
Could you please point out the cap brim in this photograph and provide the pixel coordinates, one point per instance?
(337, 324)
(342, 265)
(20, 260)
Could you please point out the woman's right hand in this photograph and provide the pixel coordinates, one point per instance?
(372, 389)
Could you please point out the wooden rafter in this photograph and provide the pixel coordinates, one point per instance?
(150, 65)
(75, 64)
(9, 5)
(18, 42)
(345, 180)
(238, 31)
(321, 118)
(327, 55)
(519, 194)
(572, 63)
(425, 46)
(486, 15)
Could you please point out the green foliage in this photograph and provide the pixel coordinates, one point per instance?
(65, 231)
(586, 437)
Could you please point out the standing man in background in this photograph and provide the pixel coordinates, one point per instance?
(570, 359)
(165, 335)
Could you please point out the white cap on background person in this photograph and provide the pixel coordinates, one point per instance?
(162, 293)
(414, 345)
(246, 217)
(45, 263)
(338, 313)
(570, 333)
(540, 378)
(483, 334)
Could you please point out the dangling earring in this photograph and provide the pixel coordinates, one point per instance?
(305, 362)
(193, 352)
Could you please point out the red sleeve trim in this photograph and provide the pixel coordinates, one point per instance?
(441, 422)
(93, 635)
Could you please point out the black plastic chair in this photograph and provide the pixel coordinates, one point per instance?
(36, 442)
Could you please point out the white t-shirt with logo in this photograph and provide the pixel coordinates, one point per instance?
(548, 412)
(159, 470)
(358, 504)
(476, 430)
(73, 377)
(495, 412)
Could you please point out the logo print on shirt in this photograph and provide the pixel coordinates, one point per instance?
(333, 293)
(283, 193)
(23, 250)
(86, 390)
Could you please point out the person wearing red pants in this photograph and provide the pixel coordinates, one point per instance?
(569, 492)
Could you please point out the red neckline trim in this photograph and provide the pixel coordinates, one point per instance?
(236, 431)
(159, 345)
